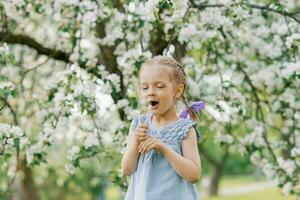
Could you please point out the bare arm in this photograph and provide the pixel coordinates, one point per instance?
(131, 154)
(187, 166)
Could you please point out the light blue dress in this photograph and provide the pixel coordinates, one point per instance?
(154, 178)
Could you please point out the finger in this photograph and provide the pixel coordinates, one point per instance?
(141, 136)
(150, 146)
(143, 125)
(146, 144)
(142, 144)
(141, 139)
(141, 133)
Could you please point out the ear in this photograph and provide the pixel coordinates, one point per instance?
(179, 90)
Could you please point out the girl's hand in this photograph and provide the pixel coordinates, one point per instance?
(151, 143)
(141, 133)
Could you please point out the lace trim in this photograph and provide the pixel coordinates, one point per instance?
(172, 133)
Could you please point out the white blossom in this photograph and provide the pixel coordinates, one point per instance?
(4, 48)
(287, 165)
(11, 131)
(122, 103)
(146, 9)
(72, 153)
(70, 168)
(7, 85)
(255, 158)
(226, 138)
(290, 40)
(255, 138)
(180, 7)
(295, 152)
(268, 169)
(287, 188)
(91, 140)
(187, 32)
(31, 150)
(290, 68)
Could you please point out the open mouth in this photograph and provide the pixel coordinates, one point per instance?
(153, 104)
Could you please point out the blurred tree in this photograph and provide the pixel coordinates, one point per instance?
(69, 77)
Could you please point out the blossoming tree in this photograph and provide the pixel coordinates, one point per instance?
(69, 74)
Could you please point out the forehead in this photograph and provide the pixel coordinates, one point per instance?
(150, 74)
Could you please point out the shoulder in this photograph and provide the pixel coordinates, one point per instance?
(190, 134)
(186, 126)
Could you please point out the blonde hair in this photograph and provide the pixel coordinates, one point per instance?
(178, 75)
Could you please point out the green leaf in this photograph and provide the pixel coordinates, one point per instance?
(10, 58)
(17, 143)
(38, 8)
(7, 155)
(76, 163)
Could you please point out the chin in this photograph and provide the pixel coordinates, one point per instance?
(154, 112)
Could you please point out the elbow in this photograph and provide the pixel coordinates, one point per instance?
(195, 177)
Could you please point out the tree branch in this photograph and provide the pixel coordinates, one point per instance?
(253, 6)
(21, 39)
(30, 42)
(281, 12)
(258, 109)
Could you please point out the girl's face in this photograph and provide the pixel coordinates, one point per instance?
(157, 90)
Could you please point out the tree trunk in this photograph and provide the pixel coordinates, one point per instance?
(23, 187)
(218, 172)
(215, 181)
(218, 166)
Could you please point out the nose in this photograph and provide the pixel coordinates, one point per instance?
(151, 91)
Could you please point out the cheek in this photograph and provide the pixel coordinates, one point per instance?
(168, 95)
(142, 94)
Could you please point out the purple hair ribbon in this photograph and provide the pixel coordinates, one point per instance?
(196, 106)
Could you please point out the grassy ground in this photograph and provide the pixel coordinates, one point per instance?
(228, 183)
(113, 194)
(269, 194)
(237, 181)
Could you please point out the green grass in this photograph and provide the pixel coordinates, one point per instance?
(113, 193)
(269, 194)
(227, 182)
(232, 181)
(237, 180)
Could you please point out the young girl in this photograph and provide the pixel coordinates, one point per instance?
(161, 153)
